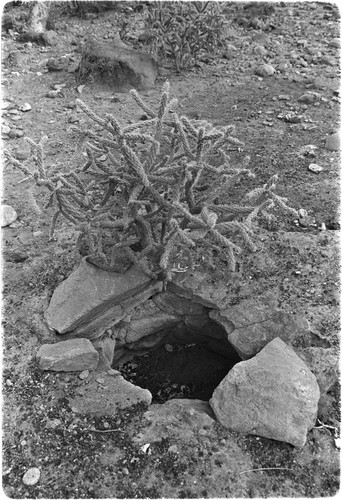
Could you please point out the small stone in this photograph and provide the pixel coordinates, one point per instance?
(168, 347)
(333, 142)
(39, 73)
(307, 221)
(15, 133)
(54, 423)
(9, 382)
(125, 471)
(8, 215)
(328, 61)
(5, 129)
(315, 168)
(100, 380)
(309, 98)
(23, 442)
(25, 107)
(31, 476)
(302, 42)
(265, 70)
(83, 375)
(172, 449)
(302, 212)
(283, 97)
(335, 42)
(22, 154)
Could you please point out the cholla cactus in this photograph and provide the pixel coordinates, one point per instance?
(149, 191)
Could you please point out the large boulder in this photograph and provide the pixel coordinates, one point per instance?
(119, 67)
(253, 323)
(273, 395)
(68, 356)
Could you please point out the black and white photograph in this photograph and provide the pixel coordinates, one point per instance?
(170, 249)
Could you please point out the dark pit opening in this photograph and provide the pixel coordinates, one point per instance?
(191, 371)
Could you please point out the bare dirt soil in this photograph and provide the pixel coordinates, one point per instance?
(77, 456)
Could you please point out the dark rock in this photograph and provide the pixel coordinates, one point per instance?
(57, 63)
(119, 67)
(274, 395)
(15, 256)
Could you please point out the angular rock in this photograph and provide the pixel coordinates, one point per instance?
(273, 395)
(253, 323)
(179, 419)
(145, 320)
(105, 398)
(91, 300)
(119, 67)
(8, 215)
(105, 346)
(198, 287)
(333, 142)
(68, 356)
(178, 305)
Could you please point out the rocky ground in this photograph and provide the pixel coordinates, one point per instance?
(287, 121)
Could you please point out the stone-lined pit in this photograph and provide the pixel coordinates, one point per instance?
(179, 370)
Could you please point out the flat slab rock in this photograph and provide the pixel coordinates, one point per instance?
(68, 356)
(254, 322)
(177, 419)
(103, 393)
(89, 292)
(273, 395)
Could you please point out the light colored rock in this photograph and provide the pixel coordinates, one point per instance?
(120, 67)
(105, 398)
(180, 419)
(333, 142)
(31, 476)
(92, 300)
(68, 356)
(105, 346)
(315, 168)
(265, 70)
(144, 321)
(25, 107)
(8, 215)
(253, 323)
(273, 395)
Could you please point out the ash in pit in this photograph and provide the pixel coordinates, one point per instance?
(190, 371)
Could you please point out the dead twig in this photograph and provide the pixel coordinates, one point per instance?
(106, 430)
(264, 468)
